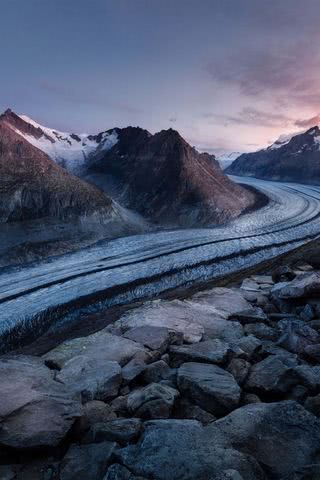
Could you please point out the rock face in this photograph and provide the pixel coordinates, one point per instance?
(163, 178)
(293, 160)
(33, 186)
(36, 411)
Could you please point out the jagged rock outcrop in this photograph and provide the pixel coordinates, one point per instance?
(165, 179)
(293, 160)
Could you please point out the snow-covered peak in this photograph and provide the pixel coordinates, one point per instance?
(227, 158)
(69, 150)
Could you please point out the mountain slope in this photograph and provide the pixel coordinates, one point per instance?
(163, 178)
(291, 158)
(33, 186)
(159, 176)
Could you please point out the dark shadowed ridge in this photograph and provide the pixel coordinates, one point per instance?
(298, 160)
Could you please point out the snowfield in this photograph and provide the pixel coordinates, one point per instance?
(70, 151)
(121, 270)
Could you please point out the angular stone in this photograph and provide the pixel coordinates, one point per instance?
(133, 369)
(209, 386)
(155, 338)
(272, 375)
(281, 436)
(182, 449)
(35, 410)
(283, 274)
(187, 410)
(152, 401)
(263, 279)
(119, 472)
(307, 313)
(304, 286)
(252, 315)
(239, 369)
(103, 345)
(296, 335)
(249, 398)
(210, 351)
(249, 345)
(313, 352)
(313, 405)
(261, 331)
(95, 412)
(84, 462)
(91, 378)
(121, 430)
(308, 376)
(250, 285)
(157, 371)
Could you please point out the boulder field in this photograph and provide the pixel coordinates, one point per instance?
(222, 386)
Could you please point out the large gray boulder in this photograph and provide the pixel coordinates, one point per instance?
(210, 351)
(100, 345)
(84, 462)
(153, 401)
(91, 378)
(35, 410)
(283, 437)
(209, 386)
(274, 374)
(181, 449)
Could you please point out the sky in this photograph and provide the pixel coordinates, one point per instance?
(229, 75)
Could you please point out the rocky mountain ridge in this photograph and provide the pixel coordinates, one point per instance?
(292, 158)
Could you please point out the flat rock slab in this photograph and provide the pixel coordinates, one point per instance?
(174, 315)
(91, 378)
(101, 345)
(210, 351)
(155, 338)
(209, 386)
(181, 449)
(225, 301)
(282, 436)
(35, 410)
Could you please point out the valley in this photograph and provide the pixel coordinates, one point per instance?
(120, 271)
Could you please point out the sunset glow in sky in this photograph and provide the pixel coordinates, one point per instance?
(228, 74)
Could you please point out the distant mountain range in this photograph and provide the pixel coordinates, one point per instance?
(159, 176)
(292, 158)
(227, 158)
